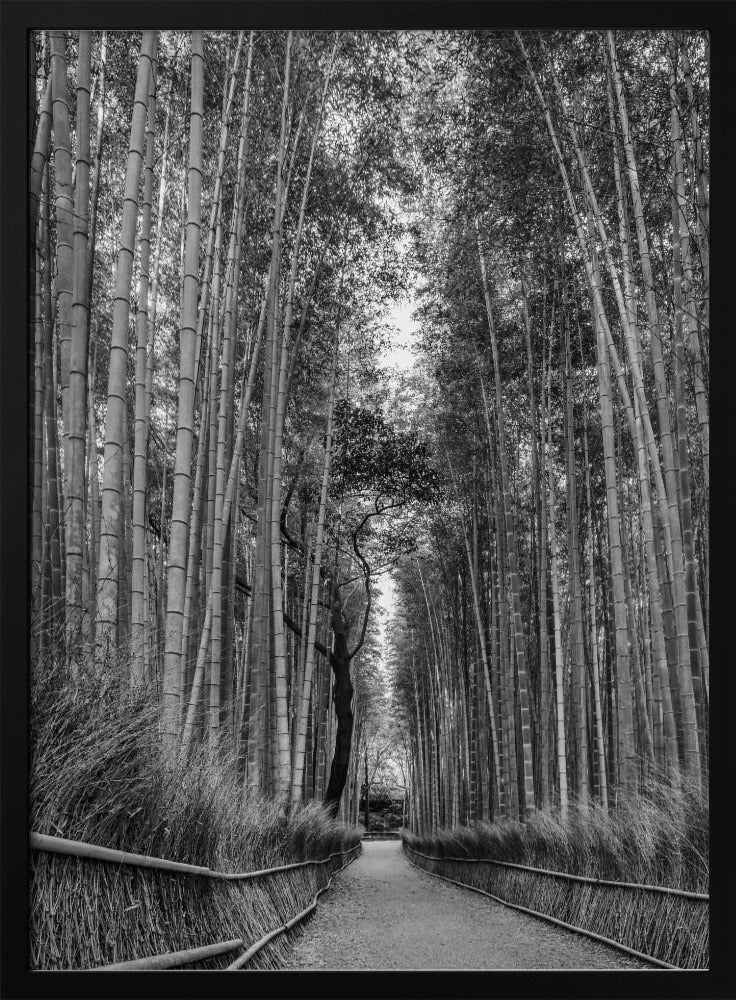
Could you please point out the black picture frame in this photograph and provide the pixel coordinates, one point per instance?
(17, 18)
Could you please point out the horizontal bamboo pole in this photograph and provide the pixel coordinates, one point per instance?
(567, 875)
(254, 949)
(308, 909)
(262, 942)
(172, 959)
(545, 916)
(79, 849)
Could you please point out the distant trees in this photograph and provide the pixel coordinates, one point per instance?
(556, 606)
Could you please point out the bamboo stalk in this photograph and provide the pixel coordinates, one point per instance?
(181, 505)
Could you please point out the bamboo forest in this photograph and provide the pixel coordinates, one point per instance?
(370, 473)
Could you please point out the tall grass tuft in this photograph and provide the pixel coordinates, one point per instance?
(98, 775)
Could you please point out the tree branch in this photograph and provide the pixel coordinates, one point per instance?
(288, 537)
(297, 631)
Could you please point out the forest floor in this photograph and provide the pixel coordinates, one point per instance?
(381, 913)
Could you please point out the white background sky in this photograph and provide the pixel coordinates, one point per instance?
(397, 360)
(400, 357)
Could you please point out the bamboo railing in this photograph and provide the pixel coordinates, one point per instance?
(667, 890)
(79, 849)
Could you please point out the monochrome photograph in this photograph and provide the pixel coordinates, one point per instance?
(369, 499)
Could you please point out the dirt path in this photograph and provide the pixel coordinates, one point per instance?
(381, 913)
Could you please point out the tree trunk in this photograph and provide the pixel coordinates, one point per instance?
(342, 695)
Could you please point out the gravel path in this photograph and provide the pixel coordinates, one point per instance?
(381, 913)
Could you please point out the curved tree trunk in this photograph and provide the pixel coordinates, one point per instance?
(342, 696)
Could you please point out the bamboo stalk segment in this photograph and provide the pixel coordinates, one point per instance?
(254, 949)
(77, 848)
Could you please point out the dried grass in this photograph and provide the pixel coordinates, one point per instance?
(97, 775)
(659, 837)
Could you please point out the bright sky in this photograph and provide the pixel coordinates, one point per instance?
(398, 361)
(399, 357)
(386, 600)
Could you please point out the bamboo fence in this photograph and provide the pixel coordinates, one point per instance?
(80, 919)
(665, 926)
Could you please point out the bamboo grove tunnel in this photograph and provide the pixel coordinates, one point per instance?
(370, 470)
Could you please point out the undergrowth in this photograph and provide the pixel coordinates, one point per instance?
(658, 837)
(98, 775)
